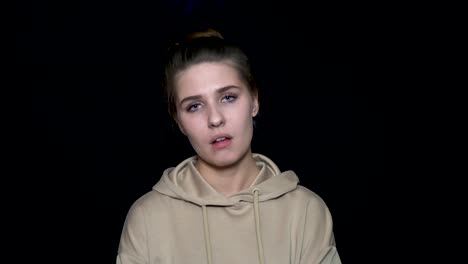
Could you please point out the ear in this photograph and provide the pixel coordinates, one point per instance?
(255, 105)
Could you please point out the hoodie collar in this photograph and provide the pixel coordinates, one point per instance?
(185, 182)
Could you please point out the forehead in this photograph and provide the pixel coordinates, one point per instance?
(206, 77)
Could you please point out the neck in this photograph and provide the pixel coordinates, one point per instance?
(232, 179)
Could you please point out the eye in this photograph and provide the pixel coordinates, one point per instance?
(193, 107)
(228, 98)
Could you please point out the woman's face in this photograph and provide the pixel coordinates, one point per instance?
(215, 110)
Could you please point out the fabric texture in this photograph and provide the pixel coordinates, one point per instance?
(183, 219)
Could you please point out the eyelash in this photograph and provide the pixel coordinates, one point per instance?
(233, 97)
(195, 106)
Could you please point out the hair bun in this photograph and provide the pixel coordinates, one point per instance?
(206, 33)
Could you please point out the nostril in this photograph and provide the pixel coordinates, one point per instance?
(216, 123)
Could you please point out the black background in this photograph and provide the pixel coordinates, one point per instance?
(101, 136)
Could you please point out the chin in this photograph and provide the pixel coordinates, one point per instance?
(222, 161)
(226, 159)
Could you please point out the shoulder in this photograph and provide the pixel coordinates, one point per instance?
(305, 193)
(151, 207)
(310, 199)
(148, 201)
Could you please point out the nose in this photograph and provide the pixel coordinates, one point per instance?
(215, 118)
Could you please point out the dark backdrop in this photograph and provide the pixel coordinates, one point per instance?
(101, 136)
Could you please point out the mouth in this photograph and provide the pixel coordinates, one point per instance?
(220, 142)
(220, 139)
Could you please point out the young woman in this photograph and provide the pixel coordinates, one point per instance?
(225, 204)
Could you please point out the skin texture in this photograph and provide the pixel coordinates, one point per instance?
(212, 100)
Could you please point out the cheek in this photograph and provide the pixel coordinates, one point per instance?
(184, 124)
(249, 122)
(243, 119)
(191, 127)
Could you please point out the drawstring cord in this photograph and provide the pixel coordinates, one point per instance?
(257, 227)
(257, 230)
(207, 234)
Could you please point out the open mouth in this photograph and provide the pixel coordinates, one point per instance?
(221, 139)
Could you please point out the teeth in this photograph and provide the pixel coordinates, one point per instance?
(220, 139)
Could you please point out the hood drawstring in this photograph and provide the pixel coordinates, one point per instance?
(261, 260)
(207, 234)
(257, 227)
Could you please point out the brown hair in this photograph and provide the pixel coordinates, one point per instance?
(203, 46)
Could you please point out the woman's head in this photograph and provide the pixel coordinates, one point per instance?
(203, 46)
(212, 97)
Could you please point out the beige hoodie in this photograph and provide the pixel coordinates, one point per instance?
(184, 220)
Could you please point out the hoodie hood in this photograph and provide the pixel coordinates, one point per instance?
(184, 182)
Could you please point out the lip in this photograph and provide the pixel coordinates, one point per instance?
(212, 141)
(222, 144)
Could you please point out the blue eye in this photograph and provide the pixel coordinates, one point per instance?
(193, 107)
(229, 98)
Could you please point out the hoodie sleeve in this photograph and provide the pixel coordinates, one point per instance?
(133, 247)
(319, 243)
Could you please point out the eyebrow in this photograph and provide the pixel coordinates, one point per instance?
(219, 91)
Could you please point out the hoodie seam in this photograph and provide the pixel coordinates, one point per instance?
(145, 224)
(303, 228)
